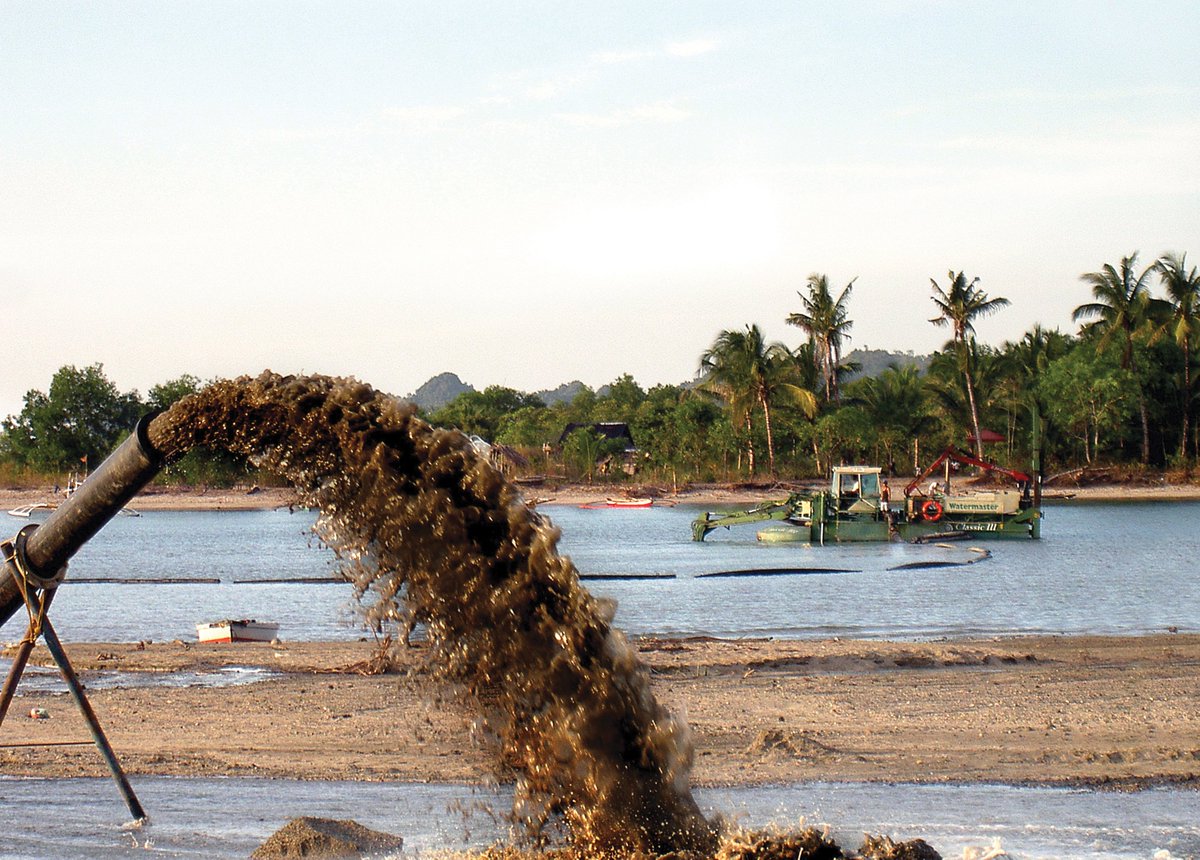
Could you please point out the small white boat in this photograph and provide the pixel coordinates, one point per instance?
(629, 503)
(246, 630)
(618, 503)
(41, 510)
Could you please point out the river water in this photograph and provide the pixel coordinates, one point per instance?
(1100, 568)
(229, 818)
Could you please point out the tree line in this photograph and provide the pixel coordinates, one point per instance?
(1120, 391)
(83, 416)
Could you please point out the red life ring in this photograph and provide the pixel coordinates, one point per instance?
(932, 510)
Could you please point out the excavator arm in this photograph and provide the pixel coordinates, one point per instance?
(794, 506)
(954, 455)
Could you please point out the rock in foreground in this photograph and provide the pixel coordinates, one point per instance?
(325, 837)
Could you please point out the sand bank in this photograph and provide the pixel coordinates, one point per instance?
(1116, 711)
(549, 494)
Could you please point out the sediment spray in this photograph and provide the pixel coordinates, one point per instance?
(427, 528)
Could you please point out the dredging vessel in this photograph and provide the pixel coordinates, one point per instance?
(855, 508)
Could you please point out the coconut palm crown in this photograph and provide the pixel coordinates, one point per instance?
(747, 372)
(1122, 308)
(827, 323)
(959, 305)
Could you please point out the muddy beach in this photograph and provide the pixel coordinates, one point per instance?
(182, 498)
(1114, 712)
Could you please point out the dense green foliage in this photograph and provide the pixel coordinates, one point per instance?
(80, 418)
(83, 417)
(1121, 391)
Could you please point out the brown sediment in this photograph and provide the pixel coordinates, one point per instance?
(318, 838)
(739, 844)
(429, 531)
(735, 844)
(1107, 711)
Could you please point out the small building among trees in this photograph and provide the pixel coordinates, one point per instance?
(599, 447)
(606, 430)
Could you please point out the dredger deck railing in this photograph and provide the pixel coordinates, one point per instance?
(35, 563)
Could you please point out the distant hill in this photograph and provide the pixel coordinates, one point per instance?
(444, 387)
(876, 361)
(565, 393)
(439, 391)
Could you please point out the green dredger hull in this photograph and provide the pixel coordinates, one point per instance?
(825, 525)
(845, 531)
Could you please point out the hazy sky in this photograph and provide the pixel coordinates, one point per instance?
(527, 193)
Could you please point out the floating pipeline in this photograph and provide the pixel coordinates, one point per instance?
(428, 531)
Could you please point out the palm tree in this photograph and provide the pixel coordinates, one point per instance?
(808, 371)
(895, 401)
(827, 324)
(1023, 363)
(959, 306)
(1121, 309)
(746, 371)
(1183, 292)
(1033, 353)
(808, 375)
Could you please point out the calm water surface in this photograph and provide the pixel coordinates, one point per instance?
(229, 818)
(1100, 568)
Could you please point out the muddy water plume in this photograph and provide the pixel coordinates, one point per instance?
(430, 530)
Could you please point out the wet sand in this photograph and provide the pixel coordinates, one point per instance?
(160, 498)
(1114, 712)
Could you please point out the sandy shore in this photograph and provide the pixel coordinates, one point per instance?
(1108, 711)
(157, 498)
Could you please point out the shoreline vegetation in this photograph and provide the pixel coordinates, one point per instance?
(1116, 398)
(1106, 712)
(548, 493)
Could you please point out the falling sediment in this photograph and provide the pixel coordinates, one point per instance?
(430, 532)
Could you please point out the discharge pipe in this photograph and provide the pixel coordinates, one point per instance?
(42, 551)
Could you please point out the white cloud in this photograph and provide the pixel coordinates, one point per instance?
(691, 48)
(419, 119)
(422, 118)
(613, 58)
(547, 90)
(424, 115)
(659, 113)
(288, 135)
(556, 86)
(1025, 96)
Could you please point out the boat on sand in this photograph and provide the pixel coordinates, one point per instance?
(246, 630)
(620, 503)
